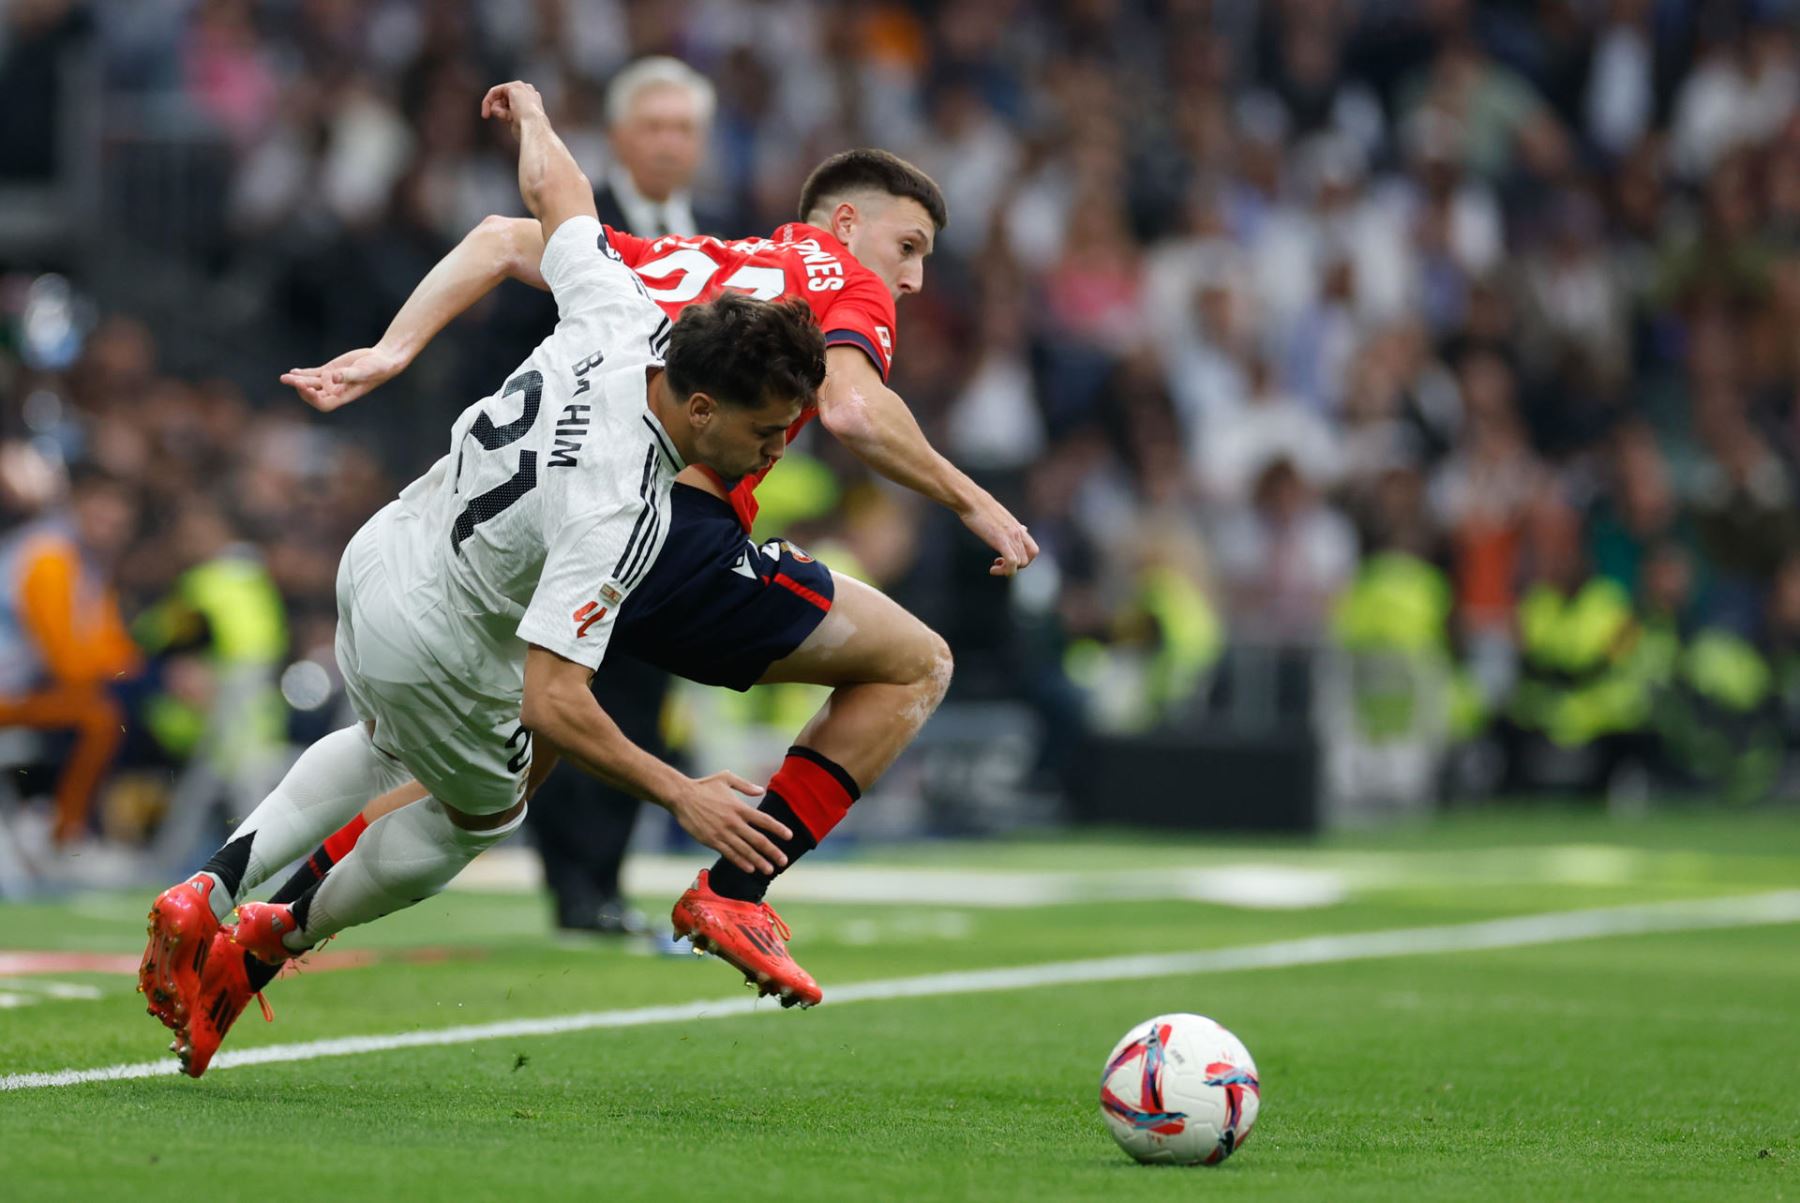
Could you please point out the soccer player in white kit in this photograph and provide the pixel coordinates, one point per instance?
(474, 608)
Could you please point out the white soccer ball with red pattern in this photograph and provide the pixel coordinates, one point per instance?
(1180, 1090)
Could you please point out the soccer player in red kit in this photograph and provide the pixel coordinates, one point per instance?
(716, 607)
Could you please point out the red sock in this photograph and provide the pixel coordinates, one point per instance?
(339, 842)
(809, 794)
(816, 789)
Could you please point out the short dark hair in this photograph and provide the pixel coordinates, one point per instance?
(742, 351)
(869, 170)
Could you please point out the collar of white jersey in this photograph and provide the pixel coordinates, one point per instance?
(664, 442)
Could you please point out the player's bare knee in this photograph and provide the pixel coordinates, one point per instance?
(939, 666)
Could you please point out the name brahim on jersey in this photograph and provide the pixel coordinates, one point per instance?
(573, 423)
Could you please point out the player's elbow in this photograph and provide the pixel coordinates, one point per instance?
(495, 235)
(536, 713)
(508, 250)
(546, 712)
(848, 414)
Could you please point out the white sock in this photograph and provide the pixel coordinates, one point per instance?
(404, 857)
(331, 781)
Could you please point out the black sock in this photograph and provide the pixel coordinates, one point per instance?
(229, 862)
(309, 873)
(303, 905)
(259, 971)
(732, 882)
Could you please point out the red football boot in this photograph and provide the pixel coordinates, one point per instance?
(748, 935)
(182, 926)
(224, 993)
(259, 928)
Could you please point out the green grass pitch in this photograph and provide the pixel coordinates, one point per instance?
(1659, 1066)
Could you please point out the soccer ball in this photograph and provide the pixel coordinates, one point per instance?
(1180, 1090)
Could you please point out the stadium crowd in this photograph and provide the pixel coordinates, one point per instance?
(1463, 333)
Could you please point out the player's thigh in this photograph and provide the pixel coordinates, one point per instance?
(477, 764)
(866, 637)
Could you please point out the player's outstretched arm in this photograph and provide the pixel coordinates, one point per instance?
(499, 248)
(868, 417)
(549, 179)
(560, 709)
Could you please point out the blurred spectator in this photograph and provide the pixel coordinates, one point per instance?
(1308, 81)
(1270, 426)
(973, 156)
(1483, 491)
(219, 633)
(1744, 508)
(1501, 122)
(1573, 312)
(1742, 89)
(63, 644)
(1283, 558)
(1621, 91)
(1454, 217)
(1638, 528)
(658, 113)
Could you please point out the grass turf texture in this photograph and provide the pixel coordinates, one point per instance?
(1642, 1067)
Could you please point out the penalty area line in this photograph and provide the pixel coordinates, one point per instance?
(1524, 931)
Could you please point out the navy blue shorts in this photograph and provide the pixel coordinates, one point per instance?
(715, 607)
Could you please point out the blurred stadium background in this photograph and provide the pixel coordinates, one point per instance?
(1404, 392)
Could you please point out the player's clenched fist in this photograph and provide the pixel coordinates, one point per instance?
(512, 102)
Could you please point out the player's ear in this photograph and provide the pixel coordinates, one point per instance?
(701, 407)
(844, 220)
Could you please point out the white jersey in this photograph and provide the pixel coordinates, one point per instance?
(551, 505)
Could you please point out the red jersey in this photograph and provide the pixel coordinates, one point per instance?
(853, 306)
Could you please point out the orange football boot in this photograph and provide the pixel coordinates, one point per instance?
(259, 928)
(224, 993)
(748, 935)
(182, 926)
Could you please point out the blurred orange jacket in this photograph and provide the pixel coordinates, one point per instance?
(62, 640)
(65, 627)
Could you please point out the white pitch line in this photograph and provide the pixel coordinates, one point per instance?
(1552, 928)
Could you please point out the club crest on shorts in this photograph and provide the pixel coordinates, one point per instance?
(773, 549)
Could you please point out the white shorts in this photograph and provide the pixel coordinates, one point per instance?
(467, 748)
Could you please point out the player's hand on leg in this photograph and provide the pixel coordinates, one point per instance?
(351, 375)
(994, 525)
(712, 813)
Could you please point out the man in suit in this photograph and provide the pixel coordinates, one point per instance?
(659, 113)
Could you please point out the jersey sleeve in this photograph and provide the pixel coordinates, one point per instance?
(576, 602)
(585, 273)
(862, 316)
(629, 247)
